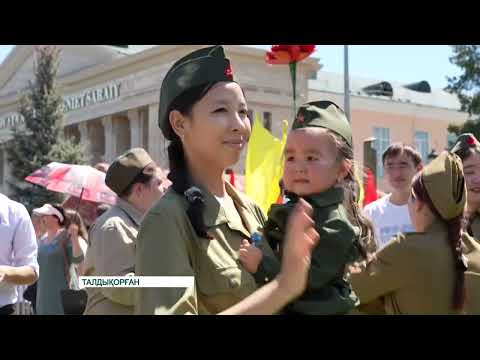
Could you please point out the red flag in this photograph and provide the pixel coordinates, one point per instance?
(231, 176)
(370, 189)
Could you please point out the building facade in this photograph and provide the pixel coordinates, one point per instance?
(111, 94)
(391, 112)
(111, 99)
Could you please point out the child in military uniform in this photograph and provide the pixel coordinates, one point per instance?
(467, 148)
(318, 168)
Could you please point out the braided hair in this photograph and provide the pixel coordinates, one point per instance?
(454, 227)
(179, 175)
(366, 243)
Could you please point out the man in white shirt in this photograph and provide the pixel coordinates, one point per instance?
(18, 252)
(389, 214)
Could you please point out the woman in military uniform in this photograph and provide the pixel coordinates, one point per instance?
(467, 148)
(425, 272)
(196, 229)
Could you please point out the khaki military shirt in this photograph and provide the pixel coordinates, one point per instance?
(472, 275)
(111, 252)
(414, 273)
(474, 229)
(167, 245)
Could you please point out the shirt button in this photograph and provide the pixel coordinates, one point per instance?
(233, 283)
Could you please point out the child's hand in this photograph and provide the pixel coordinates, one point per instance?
(250, 256)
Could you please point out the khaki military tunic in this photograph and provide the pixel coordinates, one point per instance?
(111, 252)
(167, 245)
(414, 273)
(472, 277)
(474, 229)
(327, 291)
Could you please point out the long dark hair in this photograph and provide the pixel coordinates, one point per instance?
(179, 175)
(366, 241)
(454, 227)
(74, 217)
(464, 153)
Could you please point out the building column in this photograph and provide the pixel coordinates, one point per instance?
(96, 136)
(6, 169)
(156, 140)
(110, 139)
(136, 128)
(83, 128)
(3, 160)
(144, 120)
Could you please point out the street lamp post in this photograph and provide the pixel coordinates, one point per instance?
(346, 88)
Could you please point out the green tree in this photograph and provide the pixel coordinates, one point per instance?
(40, 139)
(467, 86)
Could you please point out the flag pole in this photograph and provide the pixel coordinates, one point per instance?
(346, 88)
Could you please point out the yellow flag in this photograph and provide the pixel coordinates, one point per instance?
(264, 165)
(361, 192)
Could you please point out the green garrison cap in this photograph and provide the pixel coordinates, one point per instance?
(325, 114)
(465, 142)
(125, 169)
(203, 66)
(444, 182)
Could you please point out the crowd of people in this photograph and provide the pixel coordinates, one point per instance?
(415, 250)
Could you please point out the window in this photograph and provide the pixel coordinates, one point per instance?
(382, 142)
(267, 120)
(421, 143)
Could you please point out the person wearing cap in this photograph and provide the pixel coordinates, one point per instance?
(18, 252)
(139, 183)
(196, 229)
(58, 254)
(424, 272)
(467, 147)
(318, 167)
(39, 227)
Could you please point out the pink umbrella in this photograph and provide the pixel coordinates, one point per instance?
(82, 181)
